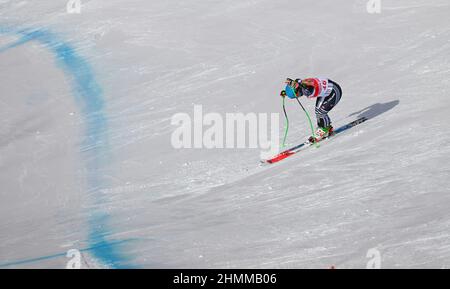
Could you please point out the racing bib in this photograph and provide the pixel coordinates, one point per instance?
(322, 87)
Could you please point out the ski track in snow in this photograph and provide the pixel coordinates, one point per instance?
(87, 162)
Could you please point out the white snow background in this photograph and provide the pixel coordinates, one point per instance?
(86, 161)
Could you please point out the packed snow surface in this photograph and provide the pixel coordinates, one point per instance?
(87, 163)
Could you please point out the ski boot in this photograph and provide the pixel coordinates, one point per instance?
(321, 133)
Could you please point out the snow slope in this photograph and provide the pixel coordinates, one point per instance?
(85, 154)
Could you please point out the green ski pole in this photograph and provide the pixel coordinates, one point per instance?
(309, 118)
(287, 123)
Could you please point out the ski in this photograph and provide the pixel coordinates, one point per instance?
(297, 148)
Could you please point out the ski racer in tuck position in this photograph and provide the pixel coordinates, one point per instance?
(327, 93)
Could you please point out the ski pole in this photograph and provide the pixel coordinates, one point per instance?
(307, 116)
(287, 122)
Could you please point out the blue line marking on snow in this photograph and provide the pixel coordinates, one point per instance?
(89, 97)
(54, 256)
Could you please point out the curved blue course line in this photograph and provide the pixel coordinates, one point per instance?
(89, 97)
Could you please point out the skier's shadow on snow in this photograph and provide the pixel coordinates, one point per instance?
(376, 109)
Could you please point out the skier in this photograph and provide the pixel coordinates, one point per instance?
(328, 94)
